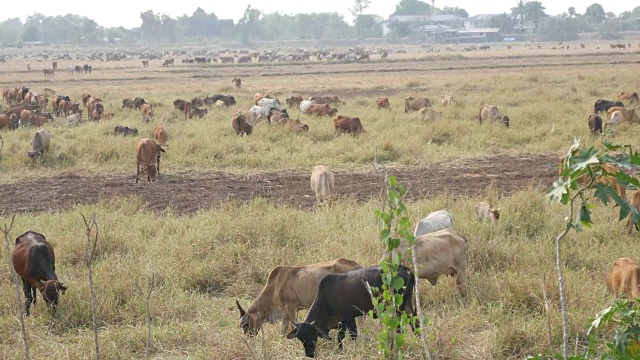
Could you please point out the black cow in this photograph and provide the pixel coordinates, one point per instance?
(125, 130)
(341, 298)
(87, 68)
(228, 100)
(137, 102)
(595, 124)
(604, 105)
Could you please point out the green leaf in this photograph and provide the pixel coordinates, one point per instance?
(397, 283)
(585, 215)
(392, 180)
(584, 159)
(560, 192)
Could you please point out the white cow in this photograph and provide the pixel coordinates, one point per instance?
(485, 212)
(617, 117)
(257, 114)
(322, 183)
(304, 105)
(273, 103)
(435, 221)
(75, 119)
(40, 143)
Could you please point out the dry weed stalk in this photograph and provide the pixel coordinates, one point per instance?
(547, 309)
(91, 224)
(14, 279)
(147, 310)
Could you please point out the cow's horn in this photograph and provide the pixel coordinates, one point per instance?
(242, 312)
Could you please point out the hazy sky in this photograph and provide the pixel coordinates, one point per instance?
(127, 13)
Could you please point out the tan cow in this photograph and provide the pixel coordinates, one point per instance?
(415, 104)
(148, 157)
(439, 253)
(447, 100)
(383, 103)
(259, 96)
(147, 111)
(628, 115)
(428, 114)
(240, 124)
(322, 183)
(624, 278)
(288, 289)
(635, 201)
(491, 112)
(485, 212)
(321, 110)
(631, 96)
(160, 135)
(326, 100)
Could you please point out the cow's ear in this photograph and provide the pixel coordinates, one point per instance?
(292, 334)
(242, 312)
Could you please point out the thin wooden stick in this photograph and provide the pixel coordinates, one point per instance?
(547, 309)
(90, 224)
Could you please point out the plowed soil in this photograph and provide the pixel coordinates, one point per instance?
(188, 192)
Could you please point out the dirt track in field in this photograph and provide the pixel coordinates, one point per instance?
(187, 193)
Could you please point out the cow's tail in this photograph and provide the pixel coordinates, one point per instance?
(480, 116)
(186, 110)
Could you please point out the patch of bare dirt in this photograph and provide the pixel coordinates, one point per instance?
(187, 193)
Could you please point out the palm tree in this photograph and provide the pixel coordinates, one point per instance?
(535, 12)
(520, 11)
(572, 12)
(433, 7)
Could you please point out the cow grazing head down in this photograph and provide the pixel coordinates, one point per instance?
(248, 322)
(505, 121)
(51, 290)
(308, 334)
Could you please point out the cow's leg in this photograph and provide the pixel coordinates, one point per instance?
(137, 171)
(341, 331)
(158, 164)
(352, 327)
(27, 296)
(290, 315)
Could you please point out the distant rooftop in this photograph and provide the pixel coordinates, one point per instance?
(424, 18)
(482, 17)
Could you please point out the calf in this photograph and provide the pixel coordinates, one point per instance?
(272, 103)
(127, 103)
(595, 124)
(194, 111)
(240, 125)
(341, 299)
(147, 112)
(624, 278)
(322, 183)
(259, 96)
(435, 221)
(428, 114)
(39, 119)
(288, 289)
(485, 212)
(75, 119)
(276, 116)
(346, 124)
(125, 130)
(148, 157)
(439, 253)
(39, 143)
(35, 263)
(160, 135)
(304, 106)
(415, 104)
(447, 100)
(258, 113)
(383, 103)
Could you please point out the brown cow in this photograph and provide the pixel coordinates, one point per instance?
(628, 115)
(237, 82)
(635, 202)
(294, 101)
(288, 289)
(127, 103)
(595, 124)
(107, 115)
(145, 63)
(415, 104)
(39, 119)
(491, 112)
(439, 253)
(607, 180)
(428, 114)
(125, 130)
(259, 96)
(383, 103)
(148, 157)
(147, 112)
(321, 110)
(194, 111)
(160, 135)
(326, 100)
(624, 278)
(10, 121)
(35, 262)
(346, 124)
(631, 96)
(240, 125)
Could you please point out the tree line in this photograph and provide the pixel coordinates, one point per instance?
(256, 25)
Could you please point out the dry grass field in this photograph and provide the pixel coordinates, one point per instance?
(226, 210)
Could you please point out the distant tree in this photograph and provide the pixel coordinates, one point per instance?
(151, 26)
(571, 11)
(412, 7)
(636, 12)
(10, 31)
(455, 11)
(368, 26)
(249, 25)
(534, 12)
(170, 28)
(505, 22)
(32, 27)
(359, 6)
(596, 13)
(519, 12)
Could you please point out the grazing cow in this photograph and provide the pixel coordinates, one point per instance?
(447, 100)
(624, 278)
(182, 106)
(326, 100)
(74, 119)
(125, 130)
(259, 96)
(10, 121)
(272, 103)
(39, 143)
(439, 253)
(49, 72)
(240, 125)
(35, 263)
(54, 65)
(228, 100)
(435, 221)
(78, 69)
(17, 110)
(485, 212)
(194, 111)
(415, 104)
(383, 103)
(25, 115)
(635, 202)
(288, 289)
(346, 124)
(276, 116)
(304, 105)
(631, 96)
(237, 82)
(321, 110)
(145, 63)
(341, 299)
(616, 118)
(127, 103)
(39, 119)
(428, 114)
(148, 157)
(160, 135)
(595, 124)
(196, 101)
(168, 62)
(87, 68)
(137, 102)
(491, 112)
(295, 126)
(258, 113)
(107, 115)
(147, 112)
(294, 101)
(322, 183)
(628, 115)
(604, 105)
